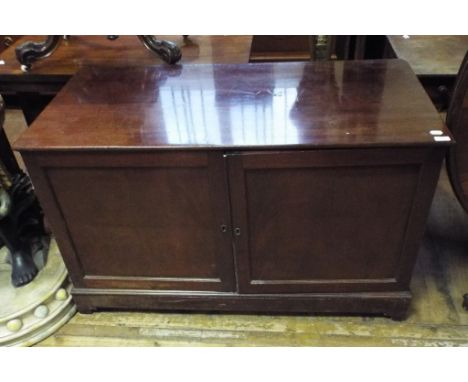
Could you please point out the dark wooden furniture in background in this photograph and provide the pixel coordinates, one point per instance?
(303, 48)
(29, 52)
(434, 59)
(7, 157)
(33, 90)
(457, 122)
(280, 48)
(292, 187)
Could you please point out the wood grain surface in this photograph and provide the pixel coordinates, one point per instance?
(322, 104)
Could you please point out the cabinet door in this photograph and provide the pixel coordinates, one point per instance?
(139, 220)
(331, 220)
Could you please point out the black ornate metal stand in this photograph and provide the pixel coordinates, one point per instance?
(21, 218)
(29, 52)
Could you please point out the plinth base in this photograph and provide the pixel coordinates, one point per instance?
(33, 312)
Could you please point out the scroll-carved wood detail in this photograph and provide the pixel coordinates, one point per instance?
(29, 52)
(167, 50)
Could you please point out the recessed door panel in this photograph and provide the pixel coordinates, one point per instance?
(154, 223)
(331, 220)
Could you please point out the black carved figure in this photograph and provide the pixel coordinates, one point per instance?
(22, 228)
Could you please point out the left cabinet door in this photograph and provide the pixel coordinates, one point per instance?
(139, 220)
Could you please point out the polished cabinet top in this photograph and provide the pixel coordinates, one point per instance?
(244, 106)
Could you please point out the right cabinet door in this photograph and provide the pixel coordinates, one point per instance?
(329, 220)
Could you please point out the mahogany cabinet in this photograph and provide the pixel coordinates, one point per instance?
(287, 187)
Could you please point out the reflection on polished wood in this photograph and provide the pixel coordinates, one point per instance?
(342, 104)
